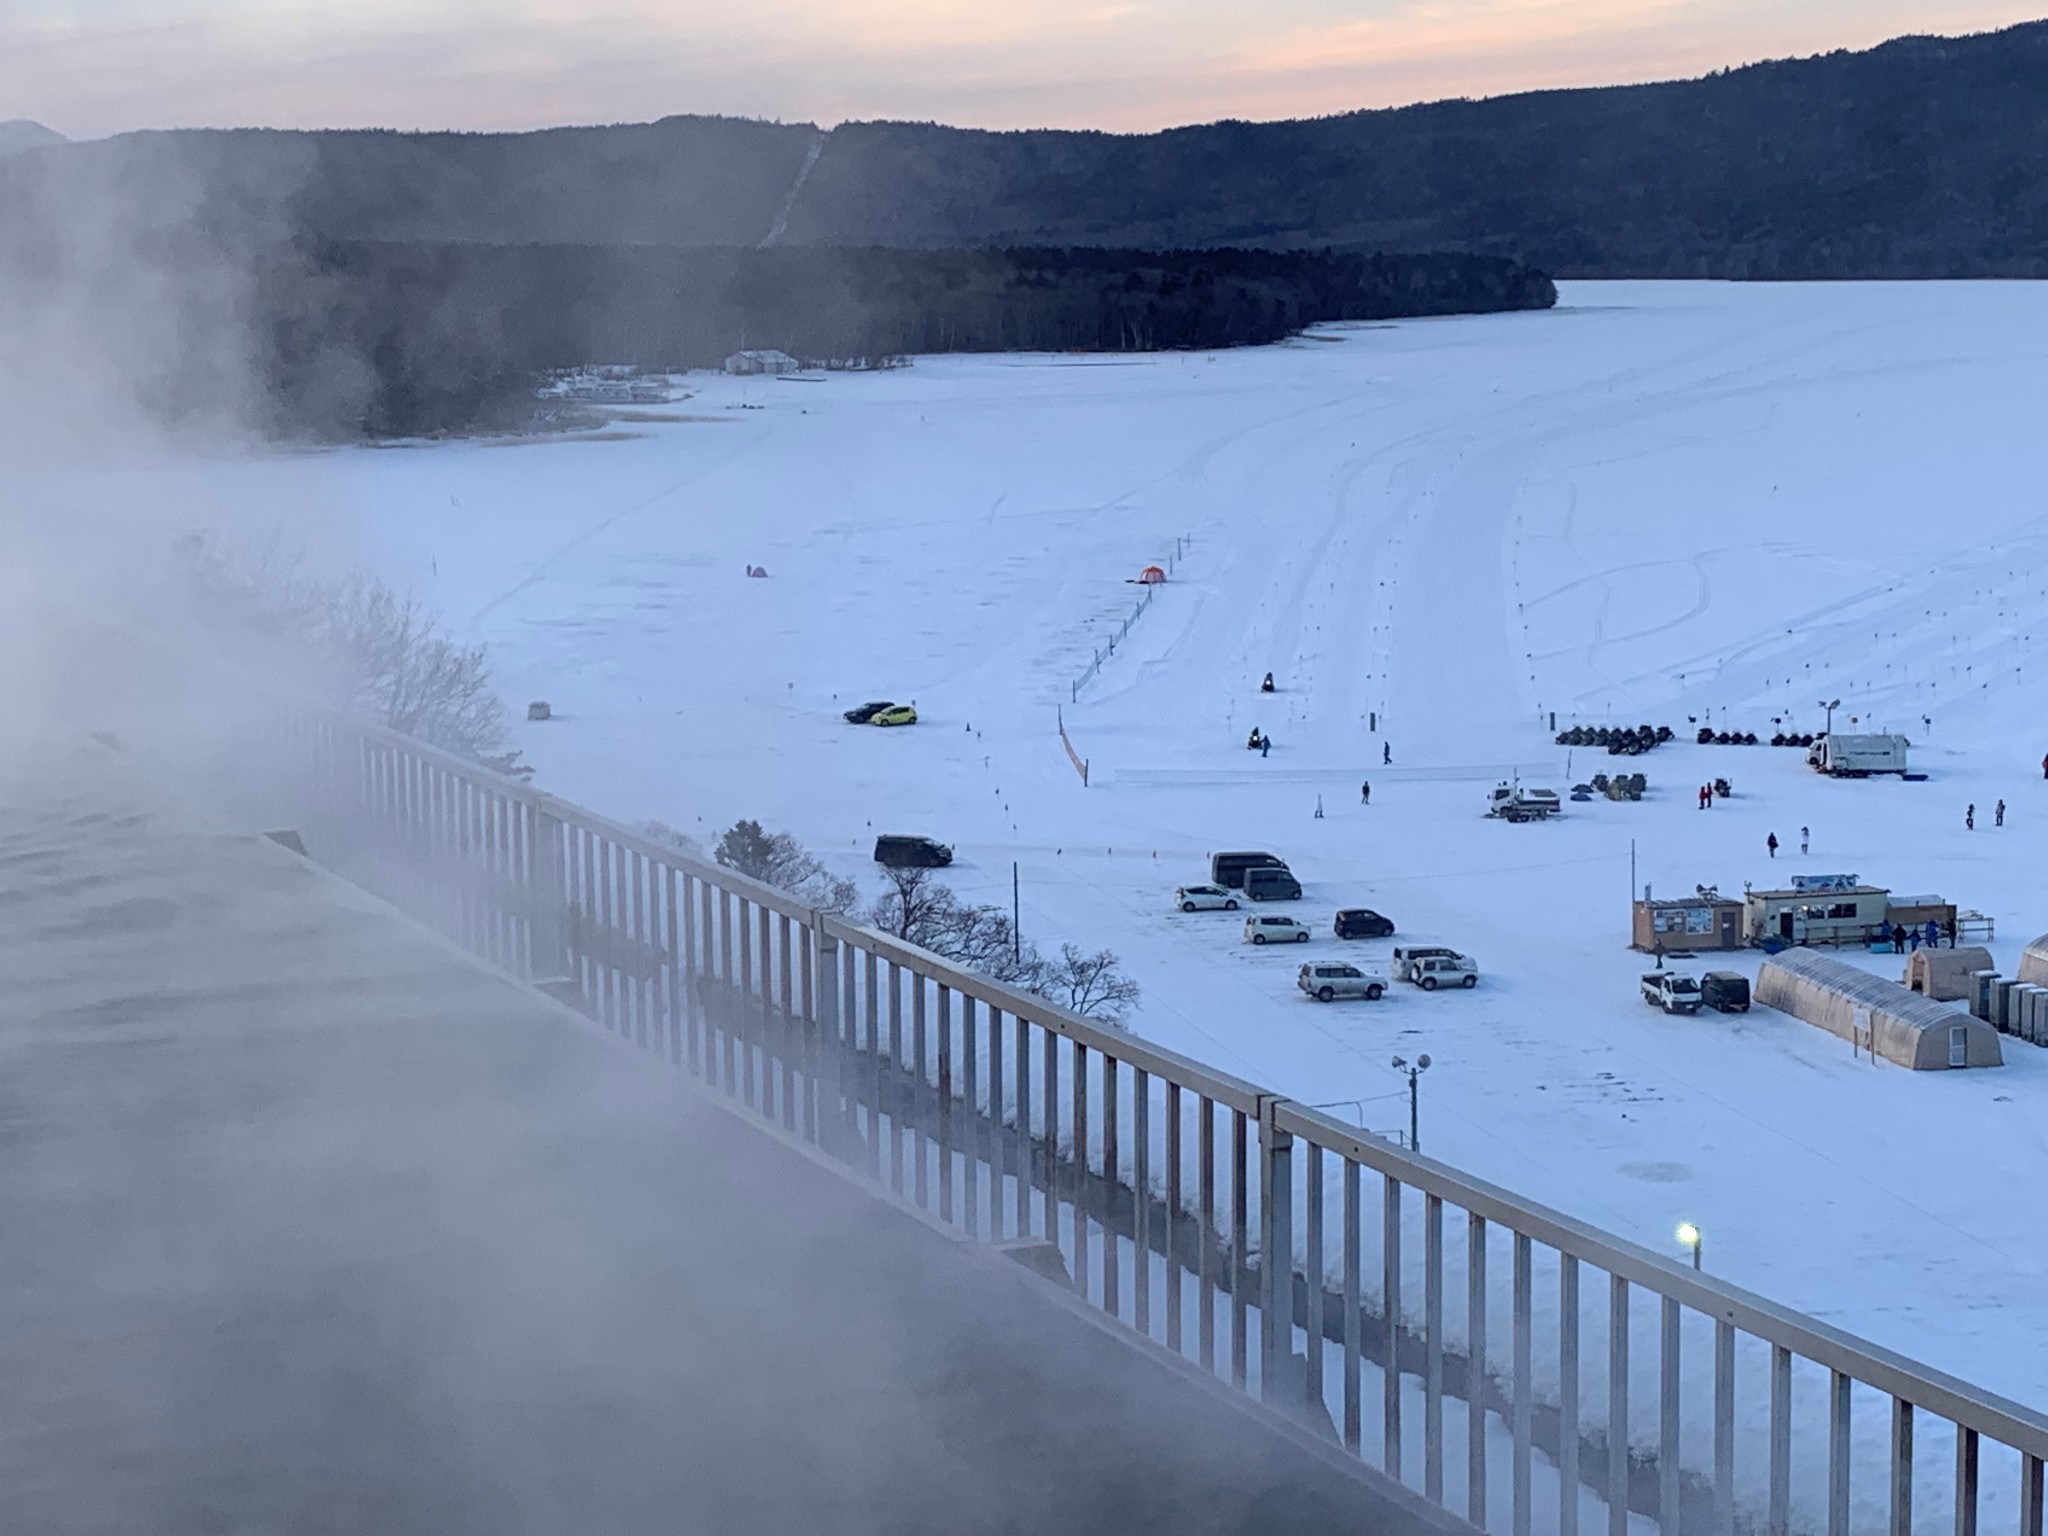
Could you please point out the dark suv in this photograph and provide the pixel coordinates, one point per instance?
(1725, 991)
(1362, 923)
(899, 852)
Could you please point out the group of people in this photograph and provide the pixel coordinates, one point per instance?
(1904, 936)
(1970, 816)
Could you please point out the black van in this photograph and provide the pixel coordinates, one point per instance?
(1227, 869)
(1362, 923)
(1263, 884)
(900, 852)
(1725, 991)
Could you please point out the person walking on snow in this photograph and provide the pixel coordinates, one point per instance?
(1771, 843)
(2044, 765)
(1998, 814)
(1387, 756)
(1970, 819)
(1365, 793)
(1265, 746)
(1804, 837)
(1703, 797)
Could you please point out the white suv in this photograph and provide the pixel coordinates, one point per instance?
(1327, 983)
(1274, 930)
(1433, 971)
(1204, 898)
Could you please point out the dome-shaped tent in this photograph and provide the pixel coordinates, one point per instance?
(1152, 576)
(2034, 962)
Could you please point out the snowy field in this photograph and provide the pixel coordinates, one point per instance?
(1656, 502)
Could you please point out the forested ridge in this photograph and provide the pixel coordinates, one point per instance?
(1925, 157)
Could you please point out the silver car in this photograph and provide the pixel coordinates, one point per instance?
(1327, 983)
(1204, 898)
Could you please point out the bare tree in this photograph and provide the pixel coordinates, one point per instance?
(915, 908)
(1093, 986)
(376, 651)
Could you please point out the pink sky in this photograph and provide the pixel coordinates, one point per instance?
(90, 67)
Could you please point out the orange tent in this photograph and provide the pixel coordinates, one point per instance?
(1151, 576)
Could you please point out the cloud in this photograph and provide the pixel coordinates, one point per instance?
(1129, 64)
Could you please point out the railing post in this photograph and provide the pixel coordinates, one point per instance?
(550, 906)
(1276, 1253)
(832, 1125)
(1902, 1468)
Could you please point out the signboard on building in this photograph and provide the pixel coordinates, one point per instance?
(1825, 882)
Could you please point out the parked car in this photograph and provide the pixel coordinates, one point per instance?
(1434, 971)
(1362, 923)
(1203, 898)
(1327, 983)
(1274, 930)
(895, 714)
(1272, 884)
(861, 714)
(1227, 869)
(1725, 991)
(900, 852)
(1672, 991)
(1406, 955)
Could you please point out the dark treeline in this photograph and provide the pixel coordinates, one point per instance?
(399, 339)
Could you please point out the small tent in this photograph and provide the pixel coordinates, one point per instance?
(2034, 963)
(1152, 576)
(1904, 1028)
(1944, 974)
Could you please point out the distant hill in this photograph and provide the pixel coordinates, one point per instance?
(1922, 157)
(22, 134)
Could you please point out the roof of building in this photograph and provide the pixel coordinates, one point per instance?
(1903, 1007)
(1819, 895)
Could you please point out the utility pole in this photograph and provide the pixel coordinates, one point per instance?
(1414, 1109)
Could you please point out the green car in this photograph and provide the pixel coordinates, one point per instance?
(895, 714)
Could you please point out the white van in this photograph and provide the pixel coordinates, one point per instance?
(1274, 930)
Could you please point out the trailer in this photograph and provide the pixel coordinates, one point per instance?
(1857, 757)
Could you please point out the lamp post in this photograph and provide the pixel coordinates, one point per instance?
(1831, 705)
(1414, 1113)
(1689, 1236)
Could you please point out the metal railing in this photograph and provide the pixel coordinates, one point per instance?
(1517, 1366)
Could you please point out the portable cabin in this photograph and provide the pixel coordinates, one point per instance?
(1901, 1026)
(1944, 974)
(1840, 912)
(1703, 921)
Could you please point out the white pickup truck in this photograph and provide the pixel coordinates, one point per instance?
(1516, 802)
(1671, 991)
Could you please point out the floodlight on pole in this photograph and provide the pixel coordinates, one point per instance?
(1689, 1236)
(1414, 1112)
(1831, 705)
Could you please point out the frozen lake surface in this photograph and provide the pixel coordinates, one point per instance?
(1655, 502)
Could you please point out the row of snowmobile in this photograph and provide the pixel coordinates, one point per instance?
(1619, 742)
